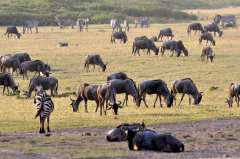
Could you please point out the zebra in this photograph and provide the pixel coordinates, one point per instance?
(45, 107)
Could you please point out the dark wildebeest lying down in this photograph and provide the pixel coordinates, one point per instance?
(94, 59)
(86, 92)
(195, 27)
(213, 28)
(167, 32)
(158, 87)
(128, 87)
(234, 92)
(6, 80)
(45, 82)
(151, 140)
(186, 86)
(121, 35)
(144, 43)
(175, 47)
(207, 52)
(208, 37)
(37, 66)
(12, 30)
(119, 133)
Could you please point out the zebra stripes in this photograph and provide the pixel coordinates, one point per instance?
(45, 107)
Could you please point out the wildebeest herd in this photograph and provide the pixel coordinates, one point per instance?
(105, 95)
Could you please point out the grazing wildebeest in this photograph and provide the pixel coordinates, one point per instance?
(167, 32)
(213, 28)
(94, 59)
(119, 133)
(106, 93)
(7, 81)
(227, 19)
(127, 86)
(195, 27)
(86, 92)
(12, 30)
(208, 37)
(158, 87)
(11, 63)
(151, 140)
(120, 35)
(144, 43)
(234, 92)
(45, 82)
(45, 107)
(29, 24)
(186, 86)
(22, 57)
(175, 47)
(3, 59)
(207, 52)
(37, 66)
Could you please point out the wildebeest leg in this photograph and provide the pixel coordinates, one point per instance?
(181, 99)
(238, 97)
(144, 100)
(190, 102)
(138, 51)
(7, 90)
(126, 99)
(4, 89)
(48, 121)
(85, 105)
(148, 52)
(155, 101)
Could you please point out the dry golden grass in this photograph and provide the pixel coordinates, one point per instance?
(67, 63)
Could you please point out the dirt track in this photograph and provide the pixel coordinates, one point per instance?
(204, 139)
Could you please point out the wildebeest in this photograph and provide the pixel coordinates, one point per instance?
(94, 59)
(37, 66)
(22, 57)
(3, 59)
(167, 32)
(186, 86)
(226, 19)
(29, 24)
(213, 28)
(208, 37)
(47, 83)
(144, 43)
(107, 93)
(207, 52)
(86, 92)
(127, 86)
(234, 92)
(175, 47)
(12, 30)
(11, 63)
(120, 35)
(151, 140)
(119, 133)
(158, 87)
(194, 27)
(118, 75)
(7, 81)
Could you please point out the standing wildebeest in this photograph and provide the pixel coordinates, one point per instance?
(157, 87)
(29, 24)
(94, 59)
(3, 59)
(121, 35)
(208, 37)
(127, 86)
(144, 43)
(45, 82)
(34, 66)
(174, 46)
(86, 92)
(234, 92)
(12, 30)
(207, 52)
(167, 32)
(7, 81)
(186, 86)
(225, 20)
(11, 63)
(213, 28)
(194, 27)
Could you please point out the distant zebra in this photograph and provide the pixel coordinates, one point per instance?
(45, 107)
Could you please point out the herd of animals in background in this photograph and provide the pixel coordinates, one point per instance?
(117, 83)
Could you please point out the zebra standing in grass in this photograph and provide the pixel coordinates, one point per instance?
(45, 107)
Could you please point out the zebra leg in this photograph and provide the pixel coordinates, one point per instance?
(97, 102)
(41, 131)
(48, 127)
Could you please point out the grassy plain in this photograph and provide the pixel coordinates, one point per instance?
(17, 114)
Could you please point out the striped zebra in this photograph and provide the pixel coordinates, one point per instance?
(45, 107)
